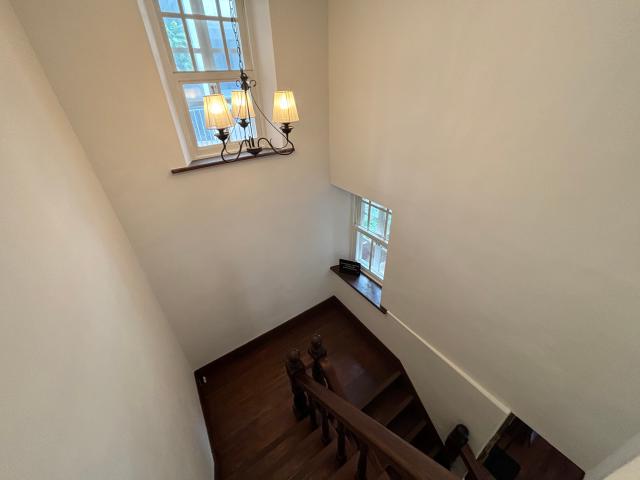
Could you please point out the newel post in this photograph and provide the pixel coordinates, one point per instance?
(457, 439)
(295, 367)
(317, 352)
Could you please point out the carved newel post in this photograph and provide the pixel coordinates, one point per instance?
(317, 352)
(457, 439)
(295, 367)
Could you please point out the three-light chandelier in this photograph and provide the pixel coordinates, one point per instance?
(224, 120)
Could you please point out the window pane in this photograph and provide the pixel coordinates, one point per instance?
(202, 7)
(363, 250)
(364, 214)
(232, 46)
(377, 220)
(388, 226)
(199, 61)
(178, 42)
(193, 93)
(170, 6)
(379, 260)
(225, 11)
(208, 48)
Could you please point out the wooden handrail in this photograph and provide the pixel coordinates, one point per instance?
(475, 470)
(401, 456)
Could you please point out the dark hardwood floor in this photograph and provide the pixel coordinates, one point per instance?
(247, 397)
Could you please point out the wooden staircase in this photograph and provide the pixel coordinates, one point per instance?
(367, 427)
(301, 454)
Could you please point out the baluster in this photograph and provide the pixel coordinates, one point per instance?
(341, 455)
(457, 439)
(312, 414)
(295, 366)
(361, 473)
(317, 352)
(326, 435)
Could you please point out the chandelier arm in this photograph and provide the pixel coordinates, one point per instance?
(288, 149)
(257, 105)
(237, 154)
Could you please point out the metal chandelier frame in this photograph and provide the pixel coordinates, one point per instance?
(250, 143)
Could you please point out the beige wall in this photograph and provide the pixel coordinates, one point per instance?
(232, 251)
(504, 135)
(630, 471)
(94, 383)
(624, 461)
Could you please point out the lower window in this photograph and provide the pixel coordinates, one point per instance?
(371, 231)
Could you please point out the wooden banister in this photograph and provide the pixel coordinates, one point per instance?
(457, 445)
(324, 394)
(391, 449)
(317, 352)
(475, 470)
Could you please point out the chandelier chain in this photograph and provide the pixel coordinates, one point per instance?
(234, 25)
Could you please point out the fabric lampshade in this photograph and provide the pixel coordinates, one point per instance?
(284, 107)
(242, 105)
(216, 112)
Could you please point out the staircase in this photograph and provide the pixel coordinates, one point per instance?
(346, 422)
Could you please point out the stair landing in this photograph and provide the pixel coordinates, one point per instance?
(247, 399)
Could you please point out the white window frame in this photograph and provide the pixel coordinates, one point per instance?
(176, 79)
(375, 239)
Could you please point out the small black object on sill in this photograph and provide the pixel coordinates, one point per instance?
(350, 267)
(363, 285)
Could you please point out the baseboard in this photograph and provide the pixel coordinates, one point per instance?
(263, 338)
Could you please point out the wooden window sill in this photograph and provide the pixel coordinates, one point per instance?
(217, 161)
(364, 286)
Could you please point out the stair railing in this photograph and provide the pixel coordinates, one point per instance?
(457, 445)
(403, 459)
(396, 456)
(475, 470)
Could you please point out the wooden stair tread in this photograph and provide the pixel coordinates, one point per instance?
(323, 464)
(415, 430)
(275, 450)
(295, 458)
(409, 423)
(348, 470)
(389, 404)
(364, 389)
(427, 443)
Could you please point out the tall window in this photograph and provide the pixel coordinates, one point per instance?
(371, 230)
(200, 56)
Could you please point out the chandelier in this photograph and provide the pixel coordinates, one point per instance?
(225, 120)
